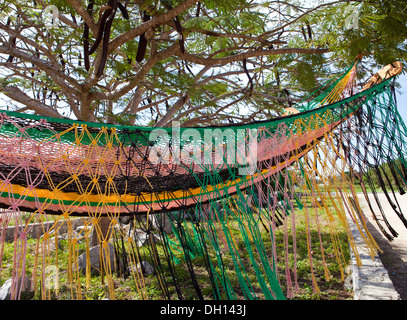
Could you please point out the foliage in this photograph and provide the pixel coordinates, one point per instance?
(389, 176)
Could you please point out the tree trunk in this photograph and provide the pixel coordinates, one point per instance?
(85, 107)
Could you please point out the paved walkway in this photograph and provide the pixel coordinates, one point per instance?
(385, 278)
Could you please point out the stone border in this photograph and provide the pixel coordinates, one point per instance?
(37, 229)
(371, 280)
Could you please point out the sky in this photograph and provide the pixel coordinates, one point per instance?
(401, 95)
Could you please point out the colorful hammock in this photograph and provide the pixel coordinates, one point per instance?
(188, 188)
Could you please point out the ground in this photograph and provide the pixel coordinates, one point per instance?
(394, 253)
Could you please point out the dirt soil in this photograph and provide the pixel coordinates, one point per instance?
(394, 255)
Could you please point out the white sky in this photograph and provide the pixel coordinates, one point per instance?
(402, 97)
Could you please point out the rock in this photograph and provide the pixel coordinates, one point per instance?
(94, 257)
(143, 239)
(50, 246)
(5, 293)
(125, 229)
(161, 220)
(82, 231)
(144, 267)
(64, 236)
(26, 292)
(125, 220)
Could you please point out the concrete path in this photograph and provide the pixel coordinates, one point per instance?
(385, 278)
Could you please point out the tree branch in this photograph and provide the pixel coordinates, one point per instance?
(138, 77)
(150, 24)
(165, 120)
(57, 75)
(19, 96)
(303, 15)
(237, 36)
(250, 54)
(77, 6)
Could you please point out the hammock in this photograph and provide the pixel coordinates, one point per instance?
(184, 188)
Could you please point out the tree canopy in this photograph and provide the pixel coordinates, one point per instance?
(198, 62)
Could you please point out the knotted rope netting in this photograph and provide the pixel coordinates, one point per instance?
(204, 198)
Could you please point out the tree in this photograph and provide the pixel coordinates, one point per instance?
(200, 62)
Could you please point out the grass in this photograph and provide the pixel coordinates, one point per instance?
(27, 217)
(126, 288)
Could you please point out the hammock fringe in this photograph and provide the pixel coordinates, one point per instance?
(216, 230)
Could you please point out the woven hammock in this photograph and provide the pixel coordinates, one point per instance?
(189, 189)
